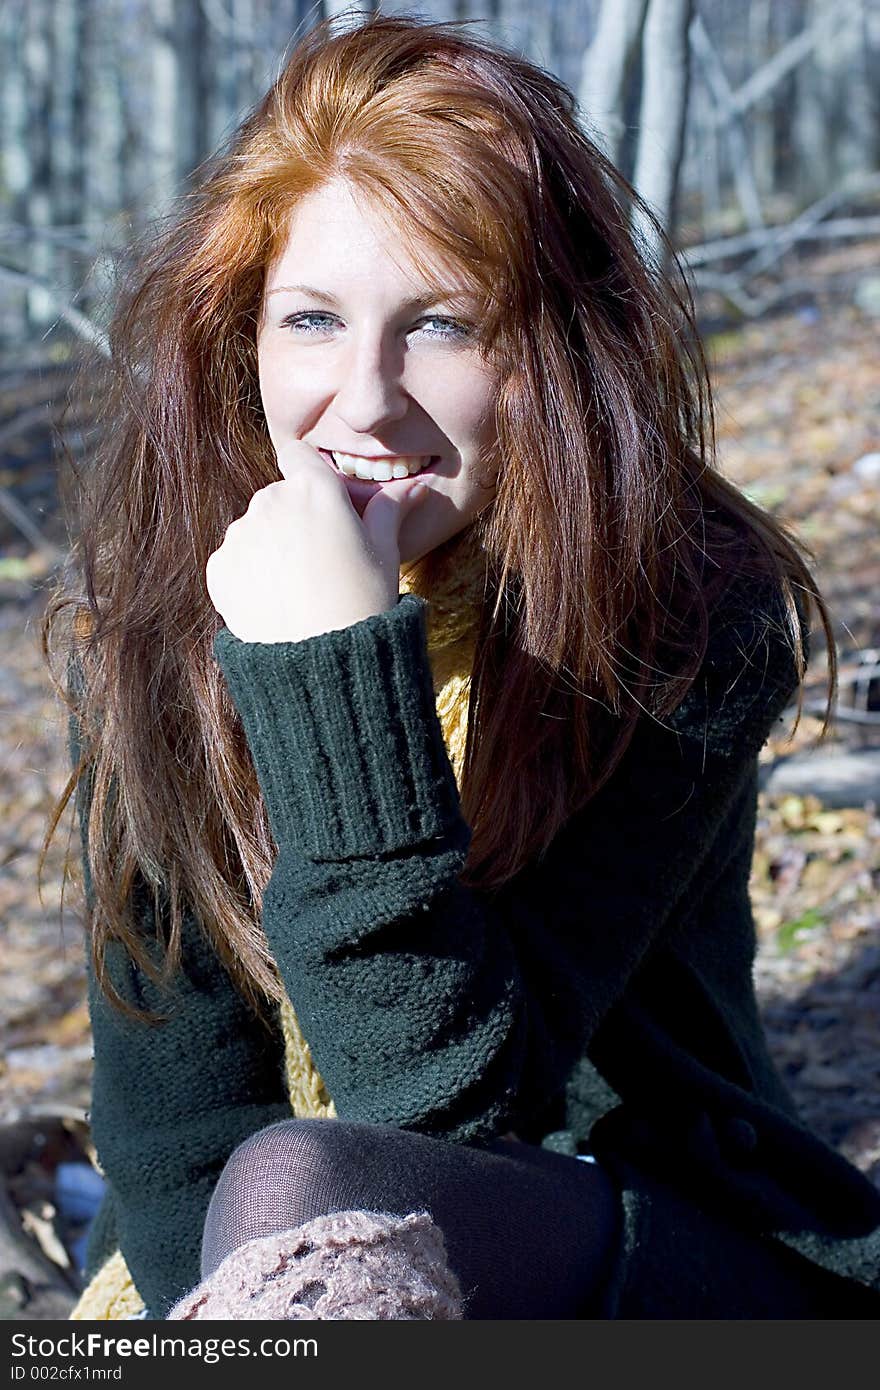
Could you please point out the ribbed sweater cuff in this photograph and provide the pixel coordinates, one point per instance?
(344, 734)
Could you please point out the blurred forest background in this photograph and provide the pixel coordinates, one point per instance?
(753, 128)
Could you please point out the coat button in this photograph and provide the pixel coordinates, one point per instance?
(739, 1137)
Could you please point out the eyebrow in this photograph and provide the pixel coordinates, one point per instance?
(421, 302)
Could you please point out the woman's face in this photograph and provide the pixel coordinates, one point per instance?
(360, 355)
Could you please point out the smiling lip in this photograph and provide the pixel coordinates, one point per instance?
(369, 484)
(376, 458)
(362, 490)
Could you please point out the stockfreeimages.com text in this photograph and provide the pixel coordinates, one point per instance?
(212, 1349)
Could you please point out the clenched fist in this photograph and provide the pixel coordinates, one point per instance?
(301, 561)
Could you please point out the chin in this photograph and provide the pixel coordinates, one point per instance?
(411, 555)
(423, 538)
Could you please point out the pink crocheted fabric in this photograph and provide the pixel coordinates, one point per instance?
(348, 1265)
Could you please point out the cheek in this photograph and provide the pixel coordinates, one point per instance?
(460, 397)
(266, 378)
(481, 413)
(280, 402)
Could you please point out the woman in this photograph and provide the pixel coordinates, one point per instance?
(424, 803)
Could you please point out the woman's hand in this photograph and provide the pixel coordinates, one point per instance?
(301, 561)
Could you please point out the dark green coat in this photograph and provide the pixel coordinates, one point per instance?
(604, 995)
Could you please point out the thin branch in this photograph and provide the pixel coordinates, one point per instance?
(219, 18)
(73, 316)
(23, 522)
(18, 1114)
(835, 229)
(856, 185)
(731, 287)
(788, 57)
(868, 717)
(719, 87)
(73, 238)
(22, 422)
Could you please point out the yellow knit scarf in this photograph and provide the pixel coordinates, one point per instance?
(452, 580)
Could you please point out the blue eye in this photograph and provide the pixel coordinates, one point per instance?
(299, 321)
(304, 323)
(454, 328)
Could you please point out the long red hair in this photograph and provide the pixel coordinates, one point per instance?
(609, 539)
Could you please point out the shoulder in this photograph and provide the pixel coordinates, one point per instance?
(749, 673)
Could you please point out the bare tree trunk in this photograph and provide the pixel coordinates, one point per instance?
(665, 83)
(836, 104)
(607, 68)
(37, 55)
(14, 149)
(716, 80)
(105, 158)
(859, 106)
(66, 147)
(761, 126)
(104, 154)
(256, 70)
(189, 105)
(121, 32)
(337, 7)
(872, 58)
(527, 27)
(224, 42)
(489, 11)
(706, 157)
(164, 65)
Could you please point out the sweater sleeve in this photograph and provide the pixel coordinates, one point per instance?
(171, 1101)
(428, 1004)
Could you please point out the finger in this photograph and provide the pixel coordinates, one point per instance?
(294, 455)
(385, 513)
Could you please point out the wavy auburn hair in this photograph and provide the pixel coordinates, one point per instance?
(610, 535)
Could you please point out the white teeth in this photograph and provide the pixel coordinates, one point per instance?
(379, 470)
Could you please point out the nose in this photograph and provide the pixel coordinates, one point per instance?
(370, 392)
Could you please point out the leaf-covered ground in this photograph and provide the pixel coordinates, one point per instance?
(798, 401)
(799, 430)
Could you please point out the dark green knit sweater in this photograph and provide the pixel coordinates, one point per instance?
(604, 993)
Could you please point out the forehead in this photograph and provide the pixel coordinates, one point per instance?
(337, 239)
